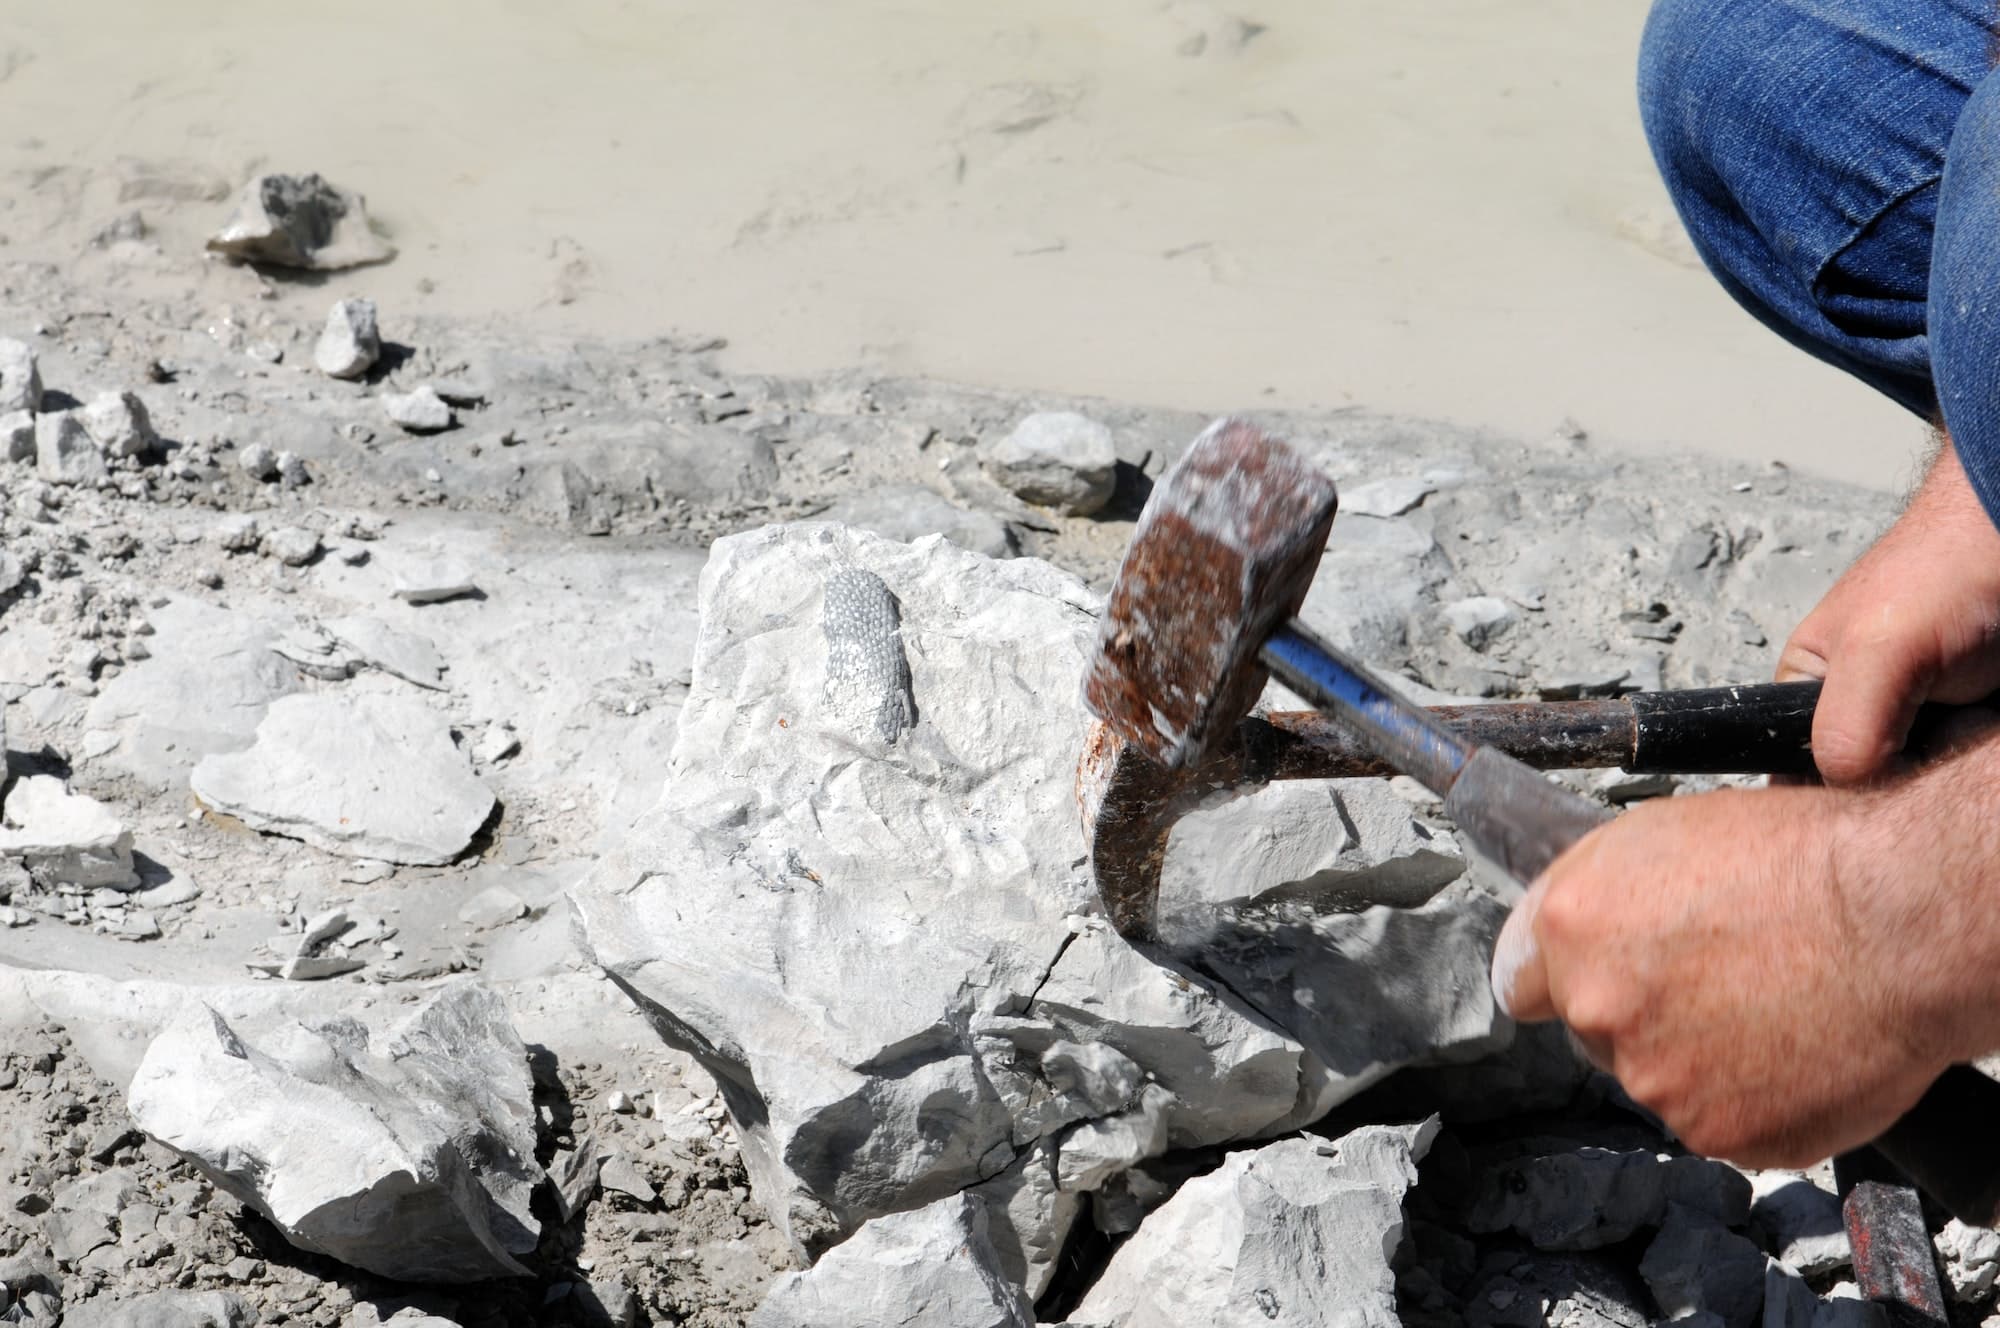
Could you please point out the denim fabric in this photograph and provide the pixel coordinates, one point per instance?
(1805, 145)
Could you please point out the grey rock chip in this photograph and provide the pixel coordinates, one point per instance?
(166, 1309)
(20, 380)
(119, 423)
(618, 1173)
(495, 906)
(431, 580)
(408, 1152)
(1696, 1264)
(931, 1267)
(64, 450)
(405, 655)
(350, 343)
(1799, 1223)
(300, 221)
(1971, 1259)
(574, 1174)
(17, 436)
(421, 410)
(1477, 619)
(1056, 459)
(1297, 1233)
(361, 776)
(907, 513)
(867, 688)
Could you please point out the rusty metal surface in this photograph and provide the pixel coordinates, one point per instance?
(1223, 553)
(1130, 802)
(1895, 1264)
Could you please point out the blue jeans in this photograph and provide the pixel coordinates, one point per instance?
(1837, 163)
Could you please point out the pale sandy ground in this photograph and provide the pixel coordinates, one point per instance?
(1445, 208)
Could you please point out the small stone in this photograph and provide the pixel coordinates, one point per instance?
(294, 546)
(493, 907)
(20, 380)
(238, 532)
(350, 344)
(420, 411)
(1384, 498)
(1971, 1259)
(605, 1304)
(619, 1174)
(1696, 1264)
(17, 436)
(1056, 459)
(1478, 619)
(292, 472)
(619, 1101)
(259, 462)
(430, 581)
(495, 745)
(120, 424)
(64, 451)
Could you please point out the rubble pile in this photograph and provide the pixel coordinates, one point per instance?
(498, 830)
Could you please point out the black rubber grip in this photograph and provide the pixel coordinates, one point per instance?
(1764, 728)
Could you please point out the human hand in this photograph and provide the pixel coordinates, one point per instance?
(1915, 619)
(1778, 973)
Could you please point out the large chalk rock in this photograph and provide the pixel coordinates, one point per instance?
(1297, 1234)
(365, 776)
(408, 1152)
(863, 902)
(300, 221)
(933, 1267)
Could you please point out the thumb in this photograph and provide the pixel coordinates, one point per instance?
(1520, 981)
(1867, 705)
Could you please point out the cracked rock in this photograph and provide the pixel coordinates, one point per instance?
(65, 838)
(64, 450)
(408, 1152)
(933, 1267)
(1297, 1233)
(1696, 1264)
(894, 936)
(1057, 459)
(362, 776)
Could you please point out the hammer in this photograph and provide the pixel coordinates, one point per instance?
(1203, 612)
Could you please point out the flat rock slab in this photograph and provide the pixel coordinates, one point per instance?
(362, 776)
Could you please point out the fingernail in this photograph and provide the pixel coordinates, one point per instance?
(1514, 950)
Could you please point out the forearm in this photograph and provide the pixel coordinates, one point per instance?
(1917, 899)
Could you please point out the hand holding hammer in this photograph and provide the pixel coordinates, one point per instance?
(1203, 612)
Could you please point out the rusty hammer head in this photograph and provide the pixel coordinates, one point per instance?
(1222, 555)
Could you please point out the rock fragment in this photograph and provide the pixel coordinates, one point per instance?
(1971, 1259)
(64, 450)
(421, 410)
(1297, 1233)
(1696, 1264)
(1385, 497)
(1478, 619)
(300, 221)
(361, 776)
(1056, 459)
(1799, 1223)
(120, 425)
(65, 838)
(405, 655)
(166, 1309)
(409, 1153)
(20, 380)
(495, 906)
(258, 462)
(431, 580)
(1593, 1197)
(17, 436)
(931, 1267)
(350, 343)
(294, 546)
